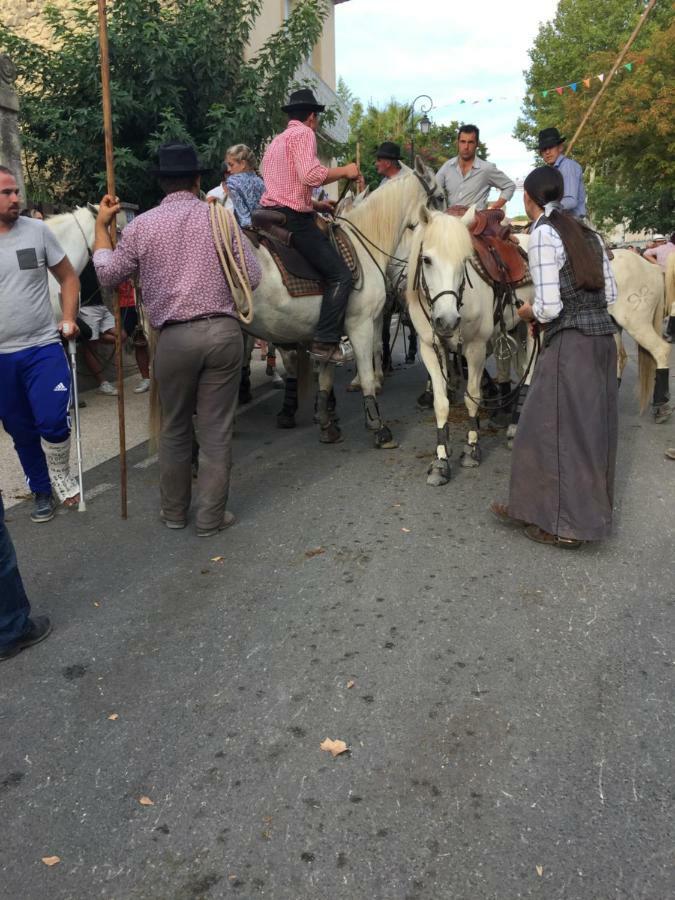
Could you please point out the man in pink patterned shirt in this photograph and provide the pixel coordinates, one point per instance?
(199, 351)
(291, 169)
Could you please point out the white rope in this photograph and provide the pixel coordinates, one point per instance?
(226, 233)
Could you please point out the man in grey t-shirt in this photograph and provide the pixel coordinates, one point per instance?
(34, 370)
(467, 179)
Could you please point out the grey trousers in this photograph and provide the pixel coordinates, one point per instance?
(197, 367)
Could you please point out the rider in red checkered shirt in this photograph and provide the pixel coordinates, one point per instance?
(291, 170)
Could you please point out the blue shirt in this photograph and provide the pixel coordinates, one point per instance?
(574, 197)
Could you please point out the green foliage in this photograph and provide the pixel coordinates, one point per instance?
(628, 146)
(177, 71)
(394, 122)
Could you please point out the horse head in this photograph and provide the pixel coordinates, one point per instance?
(440, 248)
(427, 177)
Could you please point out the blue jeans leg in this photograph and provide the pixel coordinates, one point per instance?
(14, 605)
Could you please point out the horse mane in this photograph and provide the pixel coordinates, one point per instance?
(378, 216)
(447, 235)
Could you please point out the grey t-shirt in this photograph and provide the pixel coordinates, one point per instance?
(26, 317)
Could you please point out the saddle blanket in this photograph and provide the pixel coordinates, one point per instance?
(298, 286)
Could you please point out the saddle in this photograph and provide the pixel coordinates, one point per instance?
(502, 261)
(300, 277)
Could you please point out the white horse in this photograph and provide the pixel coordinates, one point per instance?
(450, 305)
(75, 232)
(376, 226)
(452, 308)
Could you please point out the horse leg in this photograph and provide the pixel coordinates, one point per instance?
(439, 470)
(533, 352)
(653, 353)
(286, 415)
(329, 433)
(501, 417)
(378, 352)
(475, 357)
(362, 342)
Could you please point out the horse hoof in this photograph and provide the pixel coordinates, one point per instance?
(285, 420)
(500, 419)
(471, 456)
(426, 400)
(330, 435)
(662, 413)
(353, 388)
(439, 473)
(384, 439)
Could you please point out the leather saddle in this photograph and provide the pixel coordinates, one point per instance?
(502, 261)
(299, 275)
(270, 225)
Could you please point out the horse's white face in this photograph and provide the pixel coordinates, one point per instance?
(440, 250)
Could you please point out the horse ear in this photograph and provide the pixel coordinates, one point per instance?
(425, 214)
(93, 209)
(419, 165)
(469, 216)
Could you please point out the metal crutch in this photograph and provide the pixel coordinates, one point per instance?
(72, 353)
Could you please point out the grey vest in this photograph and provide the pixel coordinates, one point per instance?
(584, 310)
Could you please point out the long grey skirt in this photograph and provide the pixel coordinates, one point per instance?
(564, 453)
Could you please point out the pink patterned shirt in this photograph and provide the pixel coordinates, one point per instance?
(171, 249)
(291, 168)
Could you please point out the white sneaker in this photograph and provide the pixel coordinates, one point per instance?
(142, 386)
(106, 388)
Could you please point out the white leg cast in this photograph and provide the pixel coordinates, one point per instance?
(64, 485)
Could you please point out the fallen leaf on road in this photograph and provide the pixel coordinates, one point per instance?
(51, 860)
(146, 801)
(350, 684)
(217, 558)
(407, 530)
(335, 748)
(540, 870)
(113, 717)
(315, 551)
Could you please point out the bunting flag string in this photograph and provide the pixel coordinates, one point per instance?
(574, 87)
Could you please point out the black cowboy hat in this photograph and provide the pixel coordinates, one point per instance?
(302, 99)
(388, 150)
(177, 159)
(549, 137)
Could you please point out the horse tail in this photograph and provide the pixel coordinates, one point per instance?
(670, 285)
(155, 412)
(646, 362)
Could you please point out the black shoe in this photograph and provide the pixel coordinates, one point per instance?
(43, 508)
(38, 629)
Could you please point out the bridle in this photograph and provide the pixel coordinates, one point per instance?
(84, 236)
(420, 285)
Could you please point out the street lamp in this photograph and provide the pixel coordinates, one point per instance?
(424, 123)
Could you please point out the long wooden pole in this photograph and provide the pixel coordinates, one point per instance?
(589, 112)
(110, 180)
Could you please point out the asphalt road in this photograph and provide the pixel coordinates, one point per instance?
(508, 707)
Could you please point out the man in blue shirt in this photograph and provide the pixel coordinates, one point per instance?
(551, 150)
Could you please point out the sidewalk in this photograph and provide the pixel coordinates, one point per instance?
(100, 434)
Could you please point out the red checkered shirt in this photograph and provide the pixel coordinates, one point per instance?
(291, 168)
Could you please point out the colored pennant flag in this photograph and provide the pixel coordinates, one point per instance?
(462, 101)
(628, 67)
(587, 82)
(601, 77)
(544, 94)
(559, 90)
(573, 86)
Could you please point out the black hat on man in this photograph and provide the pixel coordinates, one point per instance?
(177, 159)
(549, 137)
(303, 99)
(388, 150)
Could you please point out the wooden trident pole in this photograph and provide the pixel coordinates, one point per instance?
(589, 112)
(110, 179)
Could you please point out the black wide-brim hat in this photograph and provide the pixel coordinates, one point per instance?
(302, 99)
(388, 150)
(549, 137)
(177, 159)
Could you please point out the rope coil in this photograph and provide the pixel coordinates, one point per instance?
(226, 235)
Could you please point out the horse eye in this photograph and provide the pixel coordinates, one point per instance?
(426, 260)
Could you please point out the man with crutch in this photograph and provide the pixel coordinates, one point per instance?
(34, 371)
